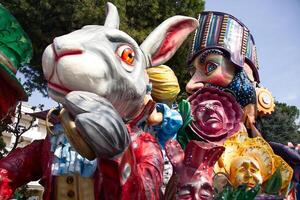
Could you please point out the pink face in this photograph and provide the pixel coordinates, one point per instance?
(215, 69)
(194, 186)
(211, 116)
(193, 169)
(216, 114)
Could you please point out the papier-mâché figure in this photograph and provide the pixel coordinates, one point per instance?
(98, 74)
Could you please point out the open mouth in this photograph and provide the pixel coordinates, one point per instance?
(59, 89)
(251, 185)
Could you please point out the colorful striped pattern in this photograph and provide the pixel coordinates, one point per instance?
(225, 32)
(251, 56)
(213, 34)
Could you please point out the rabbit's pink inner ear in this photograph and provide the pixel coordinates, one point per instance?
(174, 37)
(174, 153)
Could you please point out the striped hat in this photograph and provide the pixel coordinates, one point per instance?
(224, 32)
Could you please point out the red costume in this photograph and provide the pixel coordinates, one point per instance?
(135, 175)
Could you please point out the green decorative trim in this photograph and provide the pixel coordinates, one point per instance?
(274, 183)
(15, 50)
(239, 193)
(184, 108)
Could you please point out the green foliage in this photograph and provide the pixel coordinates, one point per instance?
(184, 108)
(22, 193)
(239, 193)
(45, 19)
(281, 125)
(274, 183)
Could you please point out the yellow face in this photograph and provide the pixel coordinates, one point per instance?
(245, 170)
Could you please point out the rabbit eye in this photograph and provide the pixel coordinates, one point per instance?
(126, 53)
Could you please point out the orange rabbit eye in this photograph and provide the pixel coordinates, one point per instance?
(126, 53)
(128, 56)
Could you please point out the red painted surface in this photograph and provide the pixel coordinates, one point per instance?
(8, 99)
(144, 157)
(193, 168)
(5, 189)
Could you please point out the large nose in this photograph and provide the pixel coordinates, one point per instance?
(194, 84)
(64, 47)
(209, 109)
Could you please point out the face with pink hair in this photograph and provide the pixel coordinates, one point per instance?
(216, 114)
(211, 116)
(193, 169)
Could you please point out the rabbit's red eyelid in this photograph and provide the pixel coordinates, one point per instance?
(126, 53)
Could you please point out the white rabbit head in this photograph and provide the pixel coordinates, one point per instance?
(108, 62)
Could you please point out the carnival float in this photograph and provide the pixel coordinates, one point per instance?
(119, 124)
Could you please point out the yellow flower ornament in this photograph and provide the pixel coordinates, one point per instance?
(251, 161)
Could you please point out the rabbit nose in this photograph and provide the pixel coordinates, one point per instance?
(62, 48)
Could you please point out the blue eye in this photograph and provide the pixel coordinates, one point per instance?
(210, 67)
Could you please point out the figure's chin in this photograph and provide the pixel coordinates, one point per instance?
(212, 127)
(56, 96)
(251, 185)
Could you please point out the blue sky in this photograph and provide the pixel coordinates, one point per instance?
(275, 25)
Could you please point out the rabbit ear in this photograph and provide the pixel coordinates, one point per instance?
(112, 16)
(163, 42)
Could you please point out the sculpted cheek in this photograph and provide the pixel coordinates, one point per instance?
(239, 179)
(48, 62)
(77, 74)
(219, 79)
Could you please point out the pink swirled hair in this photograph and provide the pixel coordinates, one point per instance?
(228, 115)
